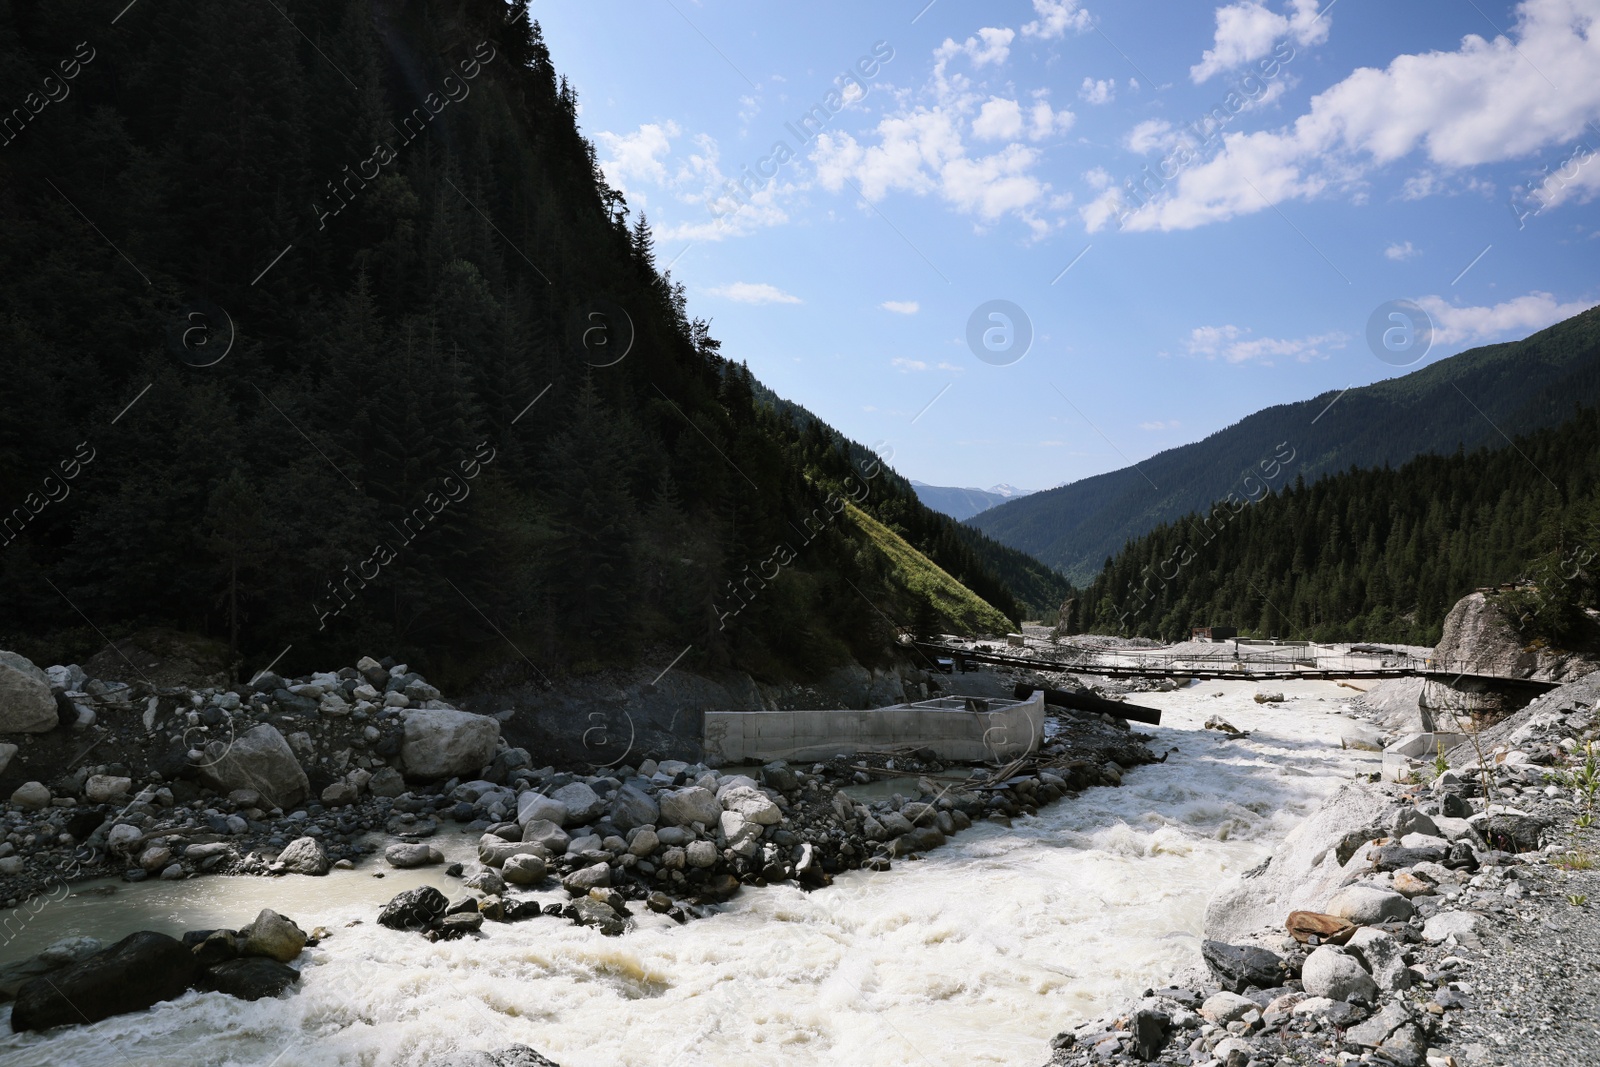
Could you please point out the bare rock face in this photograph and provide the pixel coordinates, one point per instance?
(1478, 638)
(258, 759)
(26, 704)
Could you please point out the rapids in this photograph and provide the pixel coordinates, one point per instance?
(977, 954)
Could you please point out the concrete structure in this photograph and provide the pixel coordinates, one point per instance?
(1413, 752)
(957, 728)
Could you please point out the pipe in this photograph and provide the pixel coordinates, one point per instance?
(1083, 701)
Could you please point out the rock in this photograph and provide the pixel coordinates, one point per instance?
(1410, 885)
(701, 854)
(920, 839)
(683, 807)
(374, 672)
(1377, 1029)
(644, 843)
(406, 855)
(27, 706)
(583, 804)
(273, 936)
(1304, 925)
(534, 807)
(749, 802)
(7, 751)
(486, 880)
(339, 793)
(1361, 739)
(1329, 972)
(442, 743)
(253, 978)
(459, 924)
(1368, 906)
(1269, 698)
(547, 834)
(1149, 1030)
(137, 972)
(526, 869)
(1217, 722)
(579, 882)
(1461, 925)
(258, 759)
(742, 835)
(31, 796)
(512, 1056)
(304, 855)
(218, 946)
(1223, 1008)
(1397, 857)
(1381, 955)
(1232, 1052)
(415, 909)
(1237, 967)
(1411, 821)
(101, 788)
(632, 806)
(1512, 832)
(386, 782)
(591, 912)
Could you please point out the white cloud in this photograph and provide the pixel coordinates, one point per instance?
(754, 293)
(908, 364)
(1157, 424)
(1402, 252)
(1150, 134)
(1056, 17)
(1098, 178)
(1046, 122)
(1486, 102)
(999, 120)
(635, 157)
(1098, 92)
(1519, 317)
(901, 307)
(990, 46)
(1231, 344)
(1247, 31)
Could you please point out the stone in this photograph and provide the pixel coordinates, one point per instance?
(31, 796)
(101, 788)
(579, 882)
(273, 936)
(7, 751)
(591, 912)
(123, 838)
(1304, 925)
(27, 706)
(1368, 905)
(683, 807)
(1149, 1031)
(511, 1056)
(547, 834)
(386, 782)
(632, 806)
(415, 909)
(1223, 1008)
(412, 854)
(1217, 722)
(1330, 972)
(443, 743)
(1409, 885)
(1411, 821)
(304, 855)
(1361, 739)
(258, 759)
(374, 672)
(252, 978)
(1382, 956)
(1461, 925)
(339, 793)
(583, 804)
(751, 803)
(1237, 967)
(701, 854)
(644, 843)
(1232, 1052)
(494, 851)
(741, 834)
(459, 924)
(486, 880)
(218, 946)
(1512, 832)
(534, 807)
(526, 869)
(1377, 1029)
(141, 970)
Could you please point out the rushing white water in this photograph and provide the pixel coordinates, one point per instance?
(975, 955)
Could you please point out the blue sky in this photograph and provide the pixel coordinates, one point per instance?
(1439, 152)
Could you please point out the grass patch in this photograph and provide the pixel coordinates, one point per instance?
(922, 579)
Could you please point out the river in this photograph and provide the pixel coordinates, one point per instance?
(977, 954)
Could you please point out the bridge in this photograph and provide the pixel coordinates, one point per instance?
(1235, 664)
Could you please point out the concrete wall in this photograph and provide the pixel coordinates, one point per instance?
(1006, 730)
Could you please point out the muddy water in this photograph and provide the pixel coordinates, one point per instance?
(975, 955)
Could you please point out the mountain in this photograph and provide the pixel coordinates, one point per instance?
(1380, 554)
(367, 357)
(962, 504)
(1464, 401)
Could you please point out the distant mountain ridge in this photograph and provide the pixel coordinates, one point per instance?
(963, 503)
(1465, 401)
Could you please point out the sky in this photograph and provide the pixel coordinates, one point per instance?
(1029, 241)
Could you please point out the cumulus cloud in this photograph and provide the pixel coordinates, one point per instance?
(1056, 17)
(1453, 325)
(1401, 252)
(901, 307)
(1485, 102)
(636, 157)
(998, 120)
(1249, 30)
(1150, 134)
(907, 365)
(1098, 92)
(991, 45)
(754, 293)
(1234, 345)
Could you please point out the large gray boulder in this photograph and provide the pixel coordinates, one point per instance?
(1367, 905)
(692, 805)
(443, 743)
(137, 972)
(583, 804)
(1303, 871)
(1330, 972)
(26, 704)
(258, 759)
(632, 806)
(304, 855)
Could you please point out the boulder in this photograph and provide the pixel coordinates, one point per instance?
(583, 804)
(31, 796)
(701, 854)
(1382, 956)
(1461, 925)
(412, 854)
(548, 834)
(141, 970)
(1327, 929)
(1238, 967)
(304, 855)
(252, 978)
(1218, 723)
(751, 803)
(486, 880)
(1510, 832)
(1223, 1008)
(415, 909)
(101, 788)
(494, 851)
(1330, 972)
(579, 882)
(258, 759)
(386, 782)
(632, 806)
(534, 807)
(1361, 738)
(525, 869)
(1367, 905)
(644, 843)
(512, 1056)
(443, 743)
(27, 706)
(596, 913)
(682, 807)
(273, 936)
